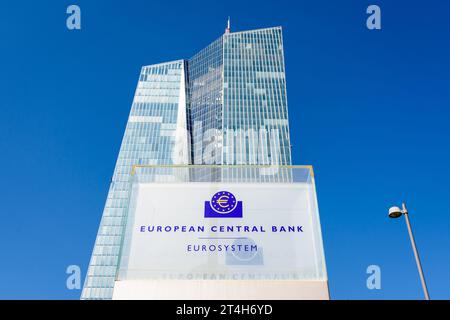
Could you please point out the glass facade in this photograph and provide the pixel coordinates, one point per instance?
(226, 105)
(205, 103)
(255, 115)
(255, 104)
(153, 135)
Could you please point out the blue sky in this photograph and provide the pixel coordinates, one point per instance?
(369, 109)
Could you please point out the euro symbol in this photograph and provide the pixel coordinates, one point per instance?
(223, 202)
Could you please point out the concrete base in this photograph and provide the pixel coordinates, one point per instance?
(220, 290)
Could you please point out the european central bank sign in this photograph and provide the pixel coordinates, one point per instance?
(222, 231)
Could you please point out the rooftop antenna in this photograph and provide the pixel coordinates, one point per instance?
(228, 29)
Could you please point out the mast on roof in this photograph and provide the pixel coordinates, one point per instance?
(228, 29)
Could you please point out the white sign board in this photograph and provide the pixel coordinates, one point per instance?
(223, 231)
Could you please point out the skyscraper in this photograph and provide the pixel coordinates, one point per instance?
(226, 105)
(238, 105)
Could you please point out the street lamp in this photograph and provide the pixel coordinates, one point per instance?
(396, 212)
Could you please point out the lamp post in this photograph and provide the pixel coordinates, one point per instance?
(396, 212)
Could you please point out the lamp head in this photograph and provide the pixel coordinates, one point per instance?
(395, 212)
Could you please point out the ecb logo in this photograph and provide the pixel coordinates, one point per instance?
(223, 205)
